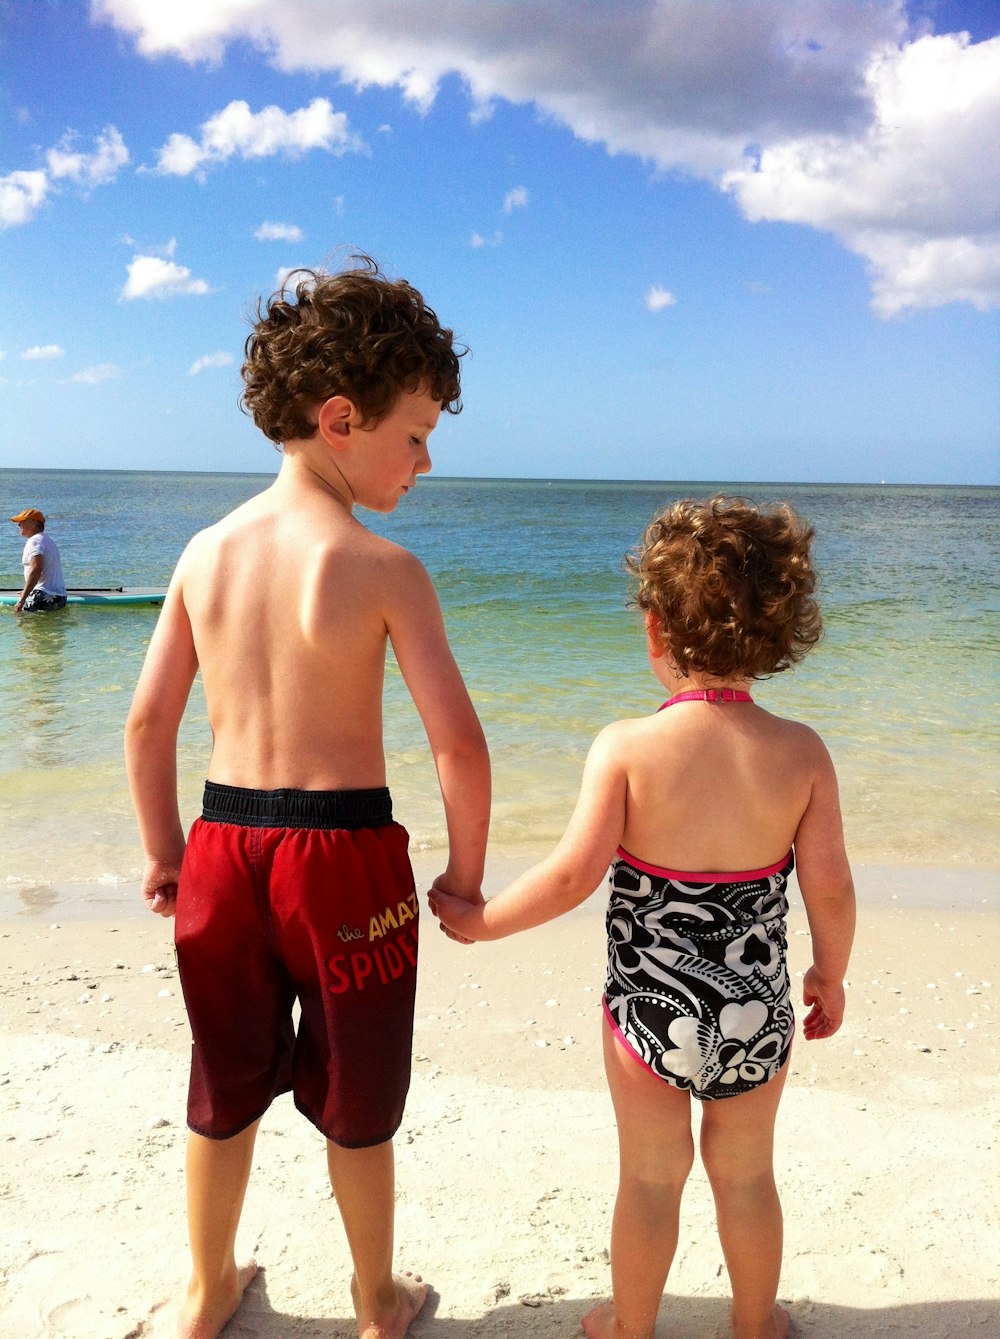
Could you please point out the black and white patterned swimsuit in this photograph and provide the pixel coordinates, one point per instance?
(697, 985)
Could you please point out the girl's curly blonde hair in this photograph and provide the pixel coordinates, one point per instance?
(729, 587)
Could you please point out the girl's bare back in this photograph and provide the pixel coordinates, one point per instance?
(716, 786)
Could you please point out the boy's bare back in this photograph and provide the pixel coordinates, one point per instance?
(290, 609)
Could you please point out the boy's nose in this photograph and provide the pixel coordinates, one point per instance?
(423, 464)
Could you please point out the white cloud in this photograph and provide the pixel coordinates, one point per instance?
(42, 352)
(911, 193)
(477, 240)
(210, 360)
(833, 113)
(22, 194)
(911, 272)
(278, 232)
(657, 298)
(515, 199)
(156, 277)
(93, 376)
(88, 169)
(237, 131)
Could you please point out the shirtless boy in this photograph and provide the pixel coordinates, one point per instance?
(296, 881)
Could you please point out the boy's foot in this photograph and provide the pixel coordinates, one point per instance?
(394, 1320)
(204, 1318)
(601, 1323)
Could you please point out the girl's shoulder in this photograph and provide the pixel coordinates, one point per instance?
(798, 742)
(798, 731)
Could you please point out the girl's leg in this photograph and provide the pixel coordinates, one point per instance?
(363, 1181)
(737, 1140)
(655, 1156)
(217, 1175)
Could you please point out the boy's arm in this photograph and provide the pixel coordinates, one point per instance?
(574, 869)
(151, 749)
(420, 643)
(827, 888)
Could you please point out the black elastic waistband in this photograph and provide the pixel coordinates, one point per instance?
(297, 808)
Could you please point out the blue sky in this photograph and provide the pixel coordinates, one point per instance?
(694, 239)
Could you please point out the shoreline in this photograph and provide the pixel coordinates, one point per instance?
(945, 887)
(506, 1159)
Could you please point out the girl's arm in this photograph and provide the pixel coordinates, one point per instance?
(827, 888)
(571, 873)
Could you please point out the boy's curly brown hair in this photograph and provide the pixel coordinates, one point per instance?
(729, 585)
(357, 334)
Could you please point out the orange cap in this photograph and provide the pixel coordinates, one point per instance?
(30, 515)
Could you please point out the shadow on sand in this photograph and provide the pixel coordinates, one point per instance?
(680, 1318)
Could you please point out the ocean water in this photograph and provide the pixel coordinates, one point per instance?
(904, 686)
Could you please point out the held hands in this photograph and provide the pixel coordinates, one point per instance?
(159, 886)
(460, 915)
(827, 1000)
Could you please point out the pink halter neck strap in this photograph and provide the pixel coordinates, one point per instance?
(709, 695)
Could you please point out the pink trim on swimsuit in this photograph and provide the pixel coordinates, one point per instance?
(620, 1037)
(709, 695)
(685, 876)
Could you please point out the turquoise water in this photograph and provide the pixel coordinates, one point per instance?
(904, 686)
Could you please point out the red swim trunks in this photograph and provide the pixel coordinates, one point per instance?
(292, 895)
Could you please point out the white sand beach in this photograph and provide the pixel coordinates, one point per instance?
(506, 1161)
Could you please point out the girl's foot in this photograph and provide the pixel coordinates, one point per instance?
(394, 1320)
(206, 1317)
(780, 1327)
(601, 1323)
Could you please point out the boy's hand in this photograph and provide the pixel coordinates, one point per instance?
(460, 915)
(159, 886)
(827, 1000)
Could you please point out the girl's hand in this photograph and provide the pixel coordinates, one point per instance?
(460, 919)
(827, 1000)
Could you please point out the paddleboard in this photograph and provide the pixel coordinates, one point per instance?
(115, 596)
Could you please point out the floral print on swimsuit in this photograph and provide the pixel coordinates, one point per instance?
(697, 985)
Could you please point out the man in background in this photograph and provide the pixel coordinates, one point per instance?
(44, 588)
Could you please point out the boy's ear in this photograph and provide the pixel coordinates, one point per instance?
(334, 420)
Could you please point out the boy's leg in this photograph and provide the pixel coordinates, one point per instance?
(655, 1156)
(737, 1139)
(217, 1174)
(363, 1180)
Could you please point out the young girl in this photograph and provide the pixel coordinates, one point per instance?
(698, 1000)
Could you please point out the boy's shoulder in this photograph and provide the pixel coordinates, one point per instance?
(258, 537)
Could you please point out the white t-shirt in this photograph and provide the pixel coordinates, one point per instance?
(52, 576)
